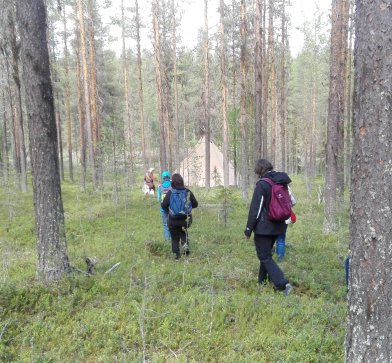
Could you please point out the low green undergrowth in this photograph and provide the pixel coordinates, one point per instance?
(204, 308)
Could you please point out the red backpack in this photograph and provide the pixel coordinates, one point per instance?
(280, 204)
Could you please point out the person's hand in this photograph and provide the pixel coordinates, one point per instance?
(247, 233)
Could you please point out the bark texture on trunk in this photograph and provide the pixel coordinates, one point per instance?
(52, 260)
(369, 328)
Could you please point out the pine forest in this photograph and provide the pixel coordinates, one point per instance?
(98, 96)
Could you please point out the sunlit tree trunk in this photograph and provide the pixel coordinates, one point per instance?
(368, 333)
(158, 81)
(67, 98)
(223, 76)
(52, 262)
(206, 96)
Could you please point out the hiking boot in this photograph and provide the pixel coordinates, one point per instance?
(280, 258)
(288, 289)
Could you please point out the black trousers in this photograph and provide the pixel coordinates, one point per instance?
(179, 232)
(268, 267)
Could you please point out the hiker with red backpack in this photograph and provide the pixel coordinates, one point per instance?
(179, 202)
(162, 191)
(269, 208)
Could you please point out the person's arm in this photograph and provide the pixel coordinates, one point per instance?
(166, 201)
(255, 210)
(193, 200)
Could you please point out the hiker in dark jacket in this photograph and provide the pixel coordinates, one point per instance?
(265, 231)
(179, 222)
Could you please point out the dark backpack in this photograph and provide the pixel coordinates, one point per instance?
(180, 204)
(280, 204)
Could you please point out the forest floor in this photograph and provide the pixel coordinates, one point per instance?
(206, 307)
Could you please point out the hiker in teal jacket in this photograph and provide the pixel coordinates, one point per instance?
(162, 191)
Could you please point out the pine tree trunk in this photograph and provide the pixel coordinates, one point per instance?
(283, 101)
(234, 91)
(12, 52)
(176, 123)
(60, 145)
(52, 261)
(95, 116)
(128, 124)
(86, 94)
(264, 129)
(313, 140)
(68, 99)
(243, 116)
(272, 71)
(258, 150)
(206, 96)
(368, 334)
(81, 117)
(225, 125)
(146, 159)
(335, 127)
(158, 81)
(14, 140)
(349, 95)
(4, 146)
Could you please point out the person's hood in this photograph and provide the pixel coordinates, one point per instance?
(166, 183)
(178, 188)
(279, 177)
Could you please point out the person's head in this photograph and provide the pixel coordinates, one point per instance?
(151, 170)
(177, 181)
(262, 166)
(166, 175)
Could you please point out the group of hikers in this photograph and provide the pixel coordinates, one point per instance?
(269, 214)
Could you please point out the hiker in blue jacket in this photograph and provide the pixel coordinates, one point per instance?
(162, 191)
(179, 202)
(265, 231)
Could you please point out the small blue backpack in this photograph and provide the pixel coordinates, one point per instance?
(180, 204)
